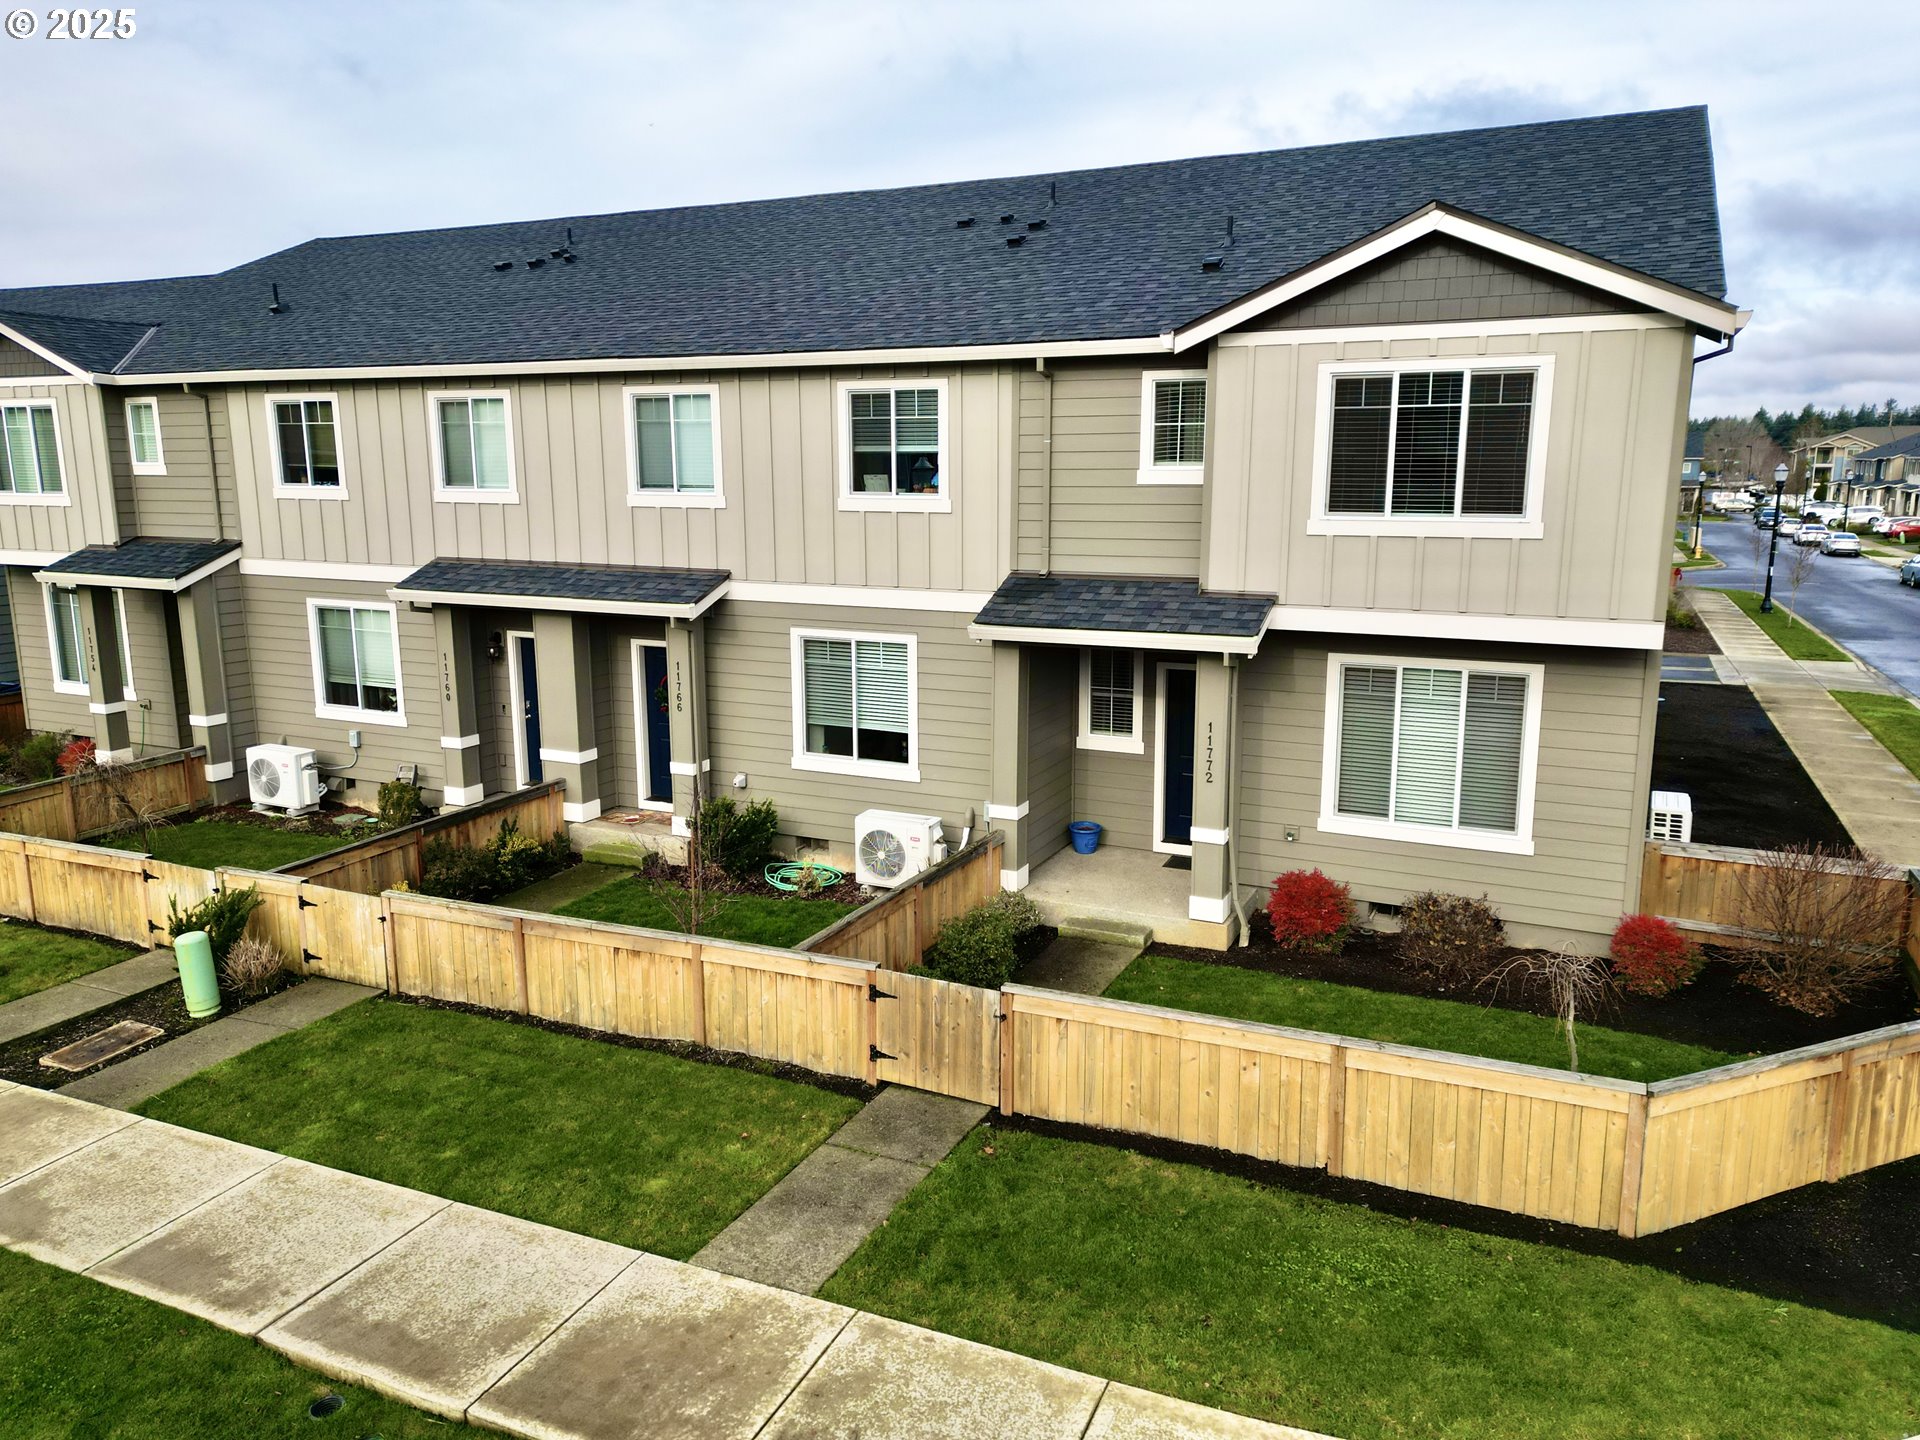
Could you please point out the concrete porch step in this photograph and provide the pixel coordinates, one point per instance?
(1108, 930)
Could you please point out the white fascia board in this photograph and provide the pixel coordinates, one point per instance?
(137, 582)
(1505, 629)
(556, 602)
(1122, 639)
(1714, 315)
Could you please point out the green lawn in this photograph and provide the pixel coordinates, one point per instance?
(32, 959)
(1402, 1019)
(1892, 719)
(210, 843)
(629, 1145)
(82, 1359)
(1796, 640)
(750, 919)
(1338, 1319)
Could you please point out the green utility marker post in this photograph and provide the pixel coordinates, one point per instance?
(193, 952)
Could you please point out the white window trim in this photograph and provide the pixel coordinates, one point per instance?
(676, 499)
(1150, 473)
(1520, 842)
(1161, 845)
(40, 497)
(436, 442)
(516, 687)
(848, 764)
(158, 465)
(284, 491)
(321, 708)
(1086, 739)
(642, 747)
(126, 648)
(937, 504)
(1527, 526)
(64, 687)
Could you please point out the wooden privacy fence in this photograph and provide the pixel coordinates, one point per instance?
(396, 857)
(895, 930)
(72, 807)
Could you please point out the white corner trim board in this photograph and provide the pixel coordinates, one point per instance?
(206, 722)
(570, 757)
(1213, 910)
(459, 742)
(683, 767)
(1203, 835)
(1007, 812)
(681, 827)
(1014, 879)
(109, 707)
(220, 770)
(463, 794)
(579, 814)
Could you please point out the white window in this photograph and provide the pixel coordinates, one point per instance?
(30, 460)
(855, 711)
(1173, 427)
(472, 446)
(1110, 700)
(356, 661)
(673, 446)
(1432, 447)
(893, 446)
(63, 633)
(1434, 752)
(304, 435)
(143, 437)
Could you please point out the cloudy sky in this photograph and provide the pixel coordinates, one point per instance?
(223, 131)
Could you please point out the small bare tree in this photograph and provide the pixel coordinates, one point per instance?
(135, 810)
(1830, 919)
(695, 904)
(1799, 572)
(1579, 986)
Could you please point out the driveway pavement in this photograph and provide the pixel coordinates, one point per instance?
(1859, 602)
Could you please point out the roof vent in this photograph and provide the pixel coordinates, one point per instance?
(1212, 262)
(503, 264)
(965, 222)
(1006, 219)
(1036, 225)
(274, 307)
(1014, 242)
(536, 262)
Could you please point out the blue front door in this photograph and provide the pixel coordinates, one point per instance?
(1176, 748)
(653, 701)
(529, 707)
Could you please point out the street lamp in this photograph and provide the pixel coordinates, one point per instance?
(1773, 539)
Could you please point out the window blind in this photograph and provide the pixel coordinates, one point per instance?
(653, 440)
(1429, 745)
(829, 682)
(66, 635)
(29, 454)
(1426, 443)
(359, 667)
(693, 442)
(1110, 709)
(1426, 764)
(337, 668)
(1490, 769)
(1396, 445)
(880, 685)
(1368, 694)
(1500, 413)
(143, 433)
(1179, 422)
(473, 444)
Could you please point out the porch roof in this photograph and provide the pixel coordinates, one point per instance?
(146, 562)
(547, 585)
(1144, 611)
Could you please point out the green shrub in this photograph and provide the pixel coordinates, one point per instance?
(981, 946)
(223, 915)
(38, 756)
(399, 804)
(521, 859)
(1451, 936)
(510, 861)
(738, 838)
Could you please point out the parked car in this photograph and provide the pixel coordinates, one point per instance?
(1901, 529)
(1820, 510)
(1840, 542)
(1766, 518)
(1880, 524)
(1910, 572)
(1865, 514)
(1789, 527)
(1810, 532)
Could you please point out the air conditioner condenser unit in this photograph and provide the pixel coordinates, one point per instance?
(283, 777)
(890, 848)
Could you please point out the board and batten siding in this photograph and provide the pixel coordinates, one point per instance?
(1615, 429)
(779, 445)
(195, 495)
(750, 719)
(89, 517)
(1589, 822)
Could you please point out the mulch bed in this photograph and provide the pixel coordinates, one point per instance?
(1715, 743)
(164, 1007)
(1717, 1010)
(848, 892)
(321, 822)
(1852, 1247)
(1697, 641)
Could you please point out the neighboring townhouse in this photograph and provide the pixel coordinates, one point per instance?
(1822, 461)
(1306, 508)
(1888, 475)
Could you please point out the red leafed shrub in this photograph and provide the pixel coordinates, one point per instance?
(77, 756)
(1651, 956)
(1310, 912)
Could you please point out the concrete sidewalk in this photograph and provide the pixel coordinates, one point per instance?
(1875, 796)
(526, 1329)
(58, 1004)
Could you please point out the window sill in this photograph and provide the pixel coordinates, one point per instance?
(1118, 744)
(11, 497)
(941, 504)
(397, 719)
(1440, 527)
(70, 687)
(676, 500)
(870, 769)
(476, 497)
(149, 469)
(309, 492)
(1426, 835)
(1172, 475)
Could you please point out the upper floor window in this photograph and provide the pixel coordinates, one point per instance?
(1411, 447)
(356, 661)
(894, 446)
(1431, 752)
(306, 445)
(29, 450)
(143, 437)
(854, 705)
(1173, 427)
(473, 446)
(673, 448)
(1110, 700)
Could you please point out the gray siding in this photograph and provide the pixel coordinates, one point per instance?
(46, 708)
(750, 717)
(9, 656)
(88, 516)
(1053, 715)
(1114, 787)
(1439, 280)
(187, 500)
(1589, 808)
(17, 360)
(157, 720)
(618, 727)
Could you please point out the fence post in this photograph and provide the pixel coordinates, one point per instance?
(1006, 1053)
(390, 942)
(521, 999)
(26, 879)
(1631, 1165)
(419, 857)
(699, 992)
(73, 810)
(873, 1031)
(1337, 1111)
(1837, 1117)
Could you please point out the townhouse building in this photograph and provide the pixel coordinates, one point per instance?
(1302, 508)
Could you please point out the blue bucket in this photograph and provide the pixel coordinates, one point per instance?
(1086, 836)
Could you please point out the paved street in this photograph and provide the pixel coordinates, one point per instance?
(1858, 602)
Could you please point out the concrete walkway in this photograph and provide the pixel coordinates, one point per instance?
(58, 1004)
(1875, 796)
(1079, 964)
(803, 1229)
(526, 1329)
(127, 1083)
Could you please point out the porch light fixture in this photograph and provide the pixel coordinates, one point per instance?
(496, 647)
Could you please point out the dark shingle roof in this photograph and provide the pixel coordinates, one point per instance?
(1118, 256)
(90, 344)
(1905, 445)
(1123, 603)
(142, 558)
(636, 585)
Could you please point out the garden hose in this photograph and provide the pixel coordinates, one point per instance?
(792, 875)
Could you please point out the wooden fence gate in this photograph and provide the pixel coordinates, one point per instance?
(936, 1036)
